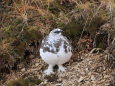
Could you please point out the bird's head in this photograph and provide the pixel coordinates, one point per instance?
(56, 31)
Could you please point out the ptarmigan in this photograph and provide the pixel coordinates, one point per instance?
(55, 50)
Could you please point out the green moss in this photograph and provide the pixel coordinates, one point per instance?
(8, 30)
(31, 33)
(95, 23)
(19, 82)
(34, 33)
(19, 49)
(74, 28)
(12, 30)
(30, 81)
(34, 80)
(5, 60)
(101, 40)
(100, 45)
(18, 21)
(53, 8)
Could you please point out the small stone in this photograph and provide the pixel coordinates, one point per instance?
(32, 56)
(81, 79)
(106, 76)
(87, 69)
(36, 64)
(82, 72)
(59, 84)
(92, 78)
(23, 69)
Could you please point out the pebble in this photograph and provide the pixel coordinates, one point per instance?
(36, 64)
(81, 79)
(23, 69)
(59, 84)
(93, 78)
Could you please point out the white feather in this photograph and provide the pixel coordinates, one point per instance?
(58, 58)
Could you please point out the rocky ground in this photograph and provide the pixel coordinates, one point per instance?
(90, 70)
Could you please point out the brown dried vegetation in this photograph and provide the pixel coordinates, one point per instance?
(89, 24)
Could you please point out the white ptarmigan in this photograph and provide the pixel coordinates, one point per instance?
(55, 50)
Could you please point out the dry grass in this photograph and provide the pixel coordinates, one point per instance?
(25, 22)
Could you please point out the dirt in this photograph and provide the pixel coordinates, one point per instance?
(92, 70)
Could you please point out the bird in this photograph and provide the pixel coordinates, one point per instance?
(55, 49)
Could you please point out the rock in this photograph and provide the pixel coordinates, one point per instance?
(81, 79)
(59, 84)
(23, 69)
(32, 56)
(87, 69)
(36, 64)
(106, 76)
(93, 78)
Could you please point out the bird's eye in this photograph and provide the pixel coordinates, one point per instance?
(57, 31)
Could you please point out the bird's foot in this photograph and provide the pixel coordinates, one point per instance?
(49, 70)
(61, 68)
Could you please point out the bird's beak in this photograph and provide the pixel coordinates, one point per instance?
(62, 32)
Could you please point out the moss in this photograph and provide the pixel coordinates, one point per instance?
(101, 40)
(13, 46)
(66, 5)
(6, 61)
(19, 82)
(74, 28)
(54, 8)
(12, 30)
(34, 80)
(18, 21)
(30, 81)
(34, 33)
(96, 22)
(112, 33)
(19, 49)
(8, 30)
(30, 34)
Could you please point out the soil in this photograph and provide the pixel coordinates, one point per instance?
(92, 70)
